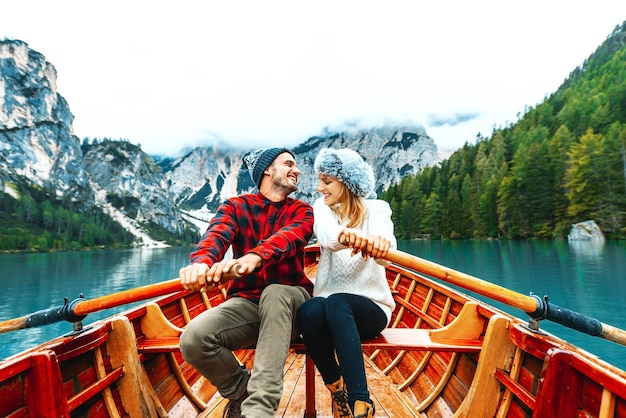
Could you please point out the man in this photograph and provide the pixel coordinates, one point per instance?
(268, 232)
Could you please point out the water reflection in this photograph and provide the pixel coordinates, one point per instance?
(587, 248)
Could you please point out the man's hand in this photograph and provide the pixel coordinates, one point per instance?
(194, 276)
(199, 276)
(248, 263)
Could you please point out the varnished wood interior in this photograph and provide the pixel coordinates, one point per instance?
(445, 355)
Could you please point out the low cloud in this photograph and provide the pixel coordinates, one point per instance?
(362, 124)
(456, 119)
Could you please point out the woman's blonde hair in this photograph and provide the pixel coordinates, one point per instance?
(349, 207)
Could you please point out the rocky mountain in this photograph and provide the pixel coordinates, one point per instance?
(127, 180)
(36, 127)
(205, 176)
(118, 178)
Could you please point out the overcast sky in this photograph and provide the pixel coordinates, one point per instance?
(169, 75)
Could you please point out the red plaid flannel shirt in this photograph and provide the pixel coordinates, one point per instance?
(276, 232)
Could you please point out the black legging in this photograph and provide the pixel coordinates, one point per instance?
(338, 324)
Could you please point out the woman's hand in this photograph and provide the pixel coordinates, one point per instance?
(352, 238)
(378, 246)
(375, 246)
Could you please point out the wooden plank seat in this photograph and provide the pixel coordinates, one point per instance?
(463, 335)
(159, 345)
(389, 339)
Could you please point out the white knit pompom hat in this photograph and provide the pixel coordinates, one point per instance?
(349, 168)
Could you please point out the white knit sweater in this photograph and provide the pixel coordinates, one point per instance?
(338, 271)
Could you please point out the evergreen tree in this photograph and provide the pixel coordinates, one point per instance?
(584, 177)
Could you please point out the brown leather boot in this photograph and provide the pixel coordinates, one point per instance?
(339, 398)
(363, 409)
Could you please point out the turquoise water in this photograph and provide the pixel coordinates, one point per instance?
(587, 278)
(584, 278)
(32, 282)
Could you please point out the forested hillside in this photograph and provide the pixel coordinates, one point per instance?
(40, 221)
(562, 162)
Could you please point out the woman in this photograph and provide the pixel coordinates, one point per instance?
(352, 300)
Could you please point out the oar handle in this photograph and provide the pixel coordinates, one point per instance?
(534, 306)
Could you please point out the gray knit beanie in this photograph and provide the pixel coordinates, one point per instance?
(349, 168)
(257, 161)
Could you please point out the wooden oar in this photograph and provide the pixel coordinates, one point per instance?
(533, 305)
(79, 308)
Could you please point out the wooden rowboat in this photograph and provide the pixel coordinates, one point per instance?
(445, 354)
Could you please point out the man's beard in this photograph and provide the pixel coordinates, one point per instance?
(285, 185)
